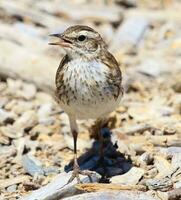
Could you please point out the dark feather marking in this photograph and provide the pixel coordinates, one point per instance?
(114, 78)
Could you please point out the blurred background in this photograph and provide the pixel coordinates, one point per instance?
(145, 38)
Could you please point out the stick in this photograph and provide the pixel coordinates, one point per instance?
(59, 188)
(94, 187)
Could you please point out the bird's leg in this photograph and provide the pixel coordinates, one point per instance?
(76, 168)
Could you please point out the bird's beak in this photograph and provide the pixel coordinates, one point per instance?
(58, 39)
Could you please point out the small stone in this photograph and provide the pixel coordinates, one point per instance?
(21, 89)
(28, 91)
(47, 121)
(177, 87)
(6, 151)
(27, 120)
(14, 85)
(40, 129)
(4, 139)
(12, 188)
(32, 165)
(170, 151)
(59, 188)
(169, 131)
(20, 145)
(129, 34)
(153, 67)
(176, 160)
(44, 113)
(51, 170)
(22, 106)
(10, 104)
(3, 101)
(146, 158)
(151, 173)
(43, 98)
(112, 195)
(177, 184)
(131, 177)
(4, 115)
(162, 165)
(11, 132)
(159, 184)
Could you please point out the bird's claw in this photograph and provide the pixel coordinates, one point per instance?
(77, 171)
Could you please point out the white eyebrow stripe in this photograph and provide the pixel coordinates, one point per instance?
(88, 33)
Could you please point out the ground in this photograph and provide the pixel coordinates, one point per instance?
(143, 146)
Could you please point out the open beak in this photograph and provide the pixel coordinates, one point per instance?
(58, 39)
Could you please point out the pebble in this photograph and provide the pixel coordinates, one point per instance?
(20, 145)
(176, 160)
(51, 170)
(3, 101)
(4, 115)
(59, 188)
(153, 67)
(6, 151)
(159, 184)
(152, 96)
(130, 33)
(27, 92)
(146, 159)
(151, 173)
(177, 184)
(42, 98)
(64, 120)
(32, 165)
(131, 177)
(112, 195)
(28, 29)
(107, 31)
(27, 120)
(170, 151)
(169, 131)
(163, 166)
(21, 89)
(12, 188)
(44, 113)
(22, 106)
(10, 104)
(11, 132)
(14, 85)
(4, 139)
(40, 129)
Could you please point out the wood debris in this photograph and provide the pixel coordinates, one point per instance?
(143, 143)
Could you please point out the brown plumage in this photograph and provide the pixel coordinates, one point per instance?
(88, 80)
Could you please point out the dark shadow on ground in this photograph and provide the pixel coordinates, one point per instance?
(114, 162)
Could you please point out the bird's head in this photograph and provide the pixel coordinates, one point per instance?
(79, 41)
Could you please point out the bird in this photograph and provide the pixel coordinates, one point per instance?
(88, 81)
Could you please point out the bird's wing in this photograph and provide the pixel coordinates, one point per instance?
(59, 77)
(114, 77)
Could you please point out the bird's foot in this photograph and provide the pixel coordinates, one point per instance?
(77, 171)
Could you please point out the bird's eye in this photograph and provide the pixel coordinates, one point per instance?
(81, 38)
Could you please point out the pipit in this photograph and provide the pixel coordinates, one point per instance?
(88, 80)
